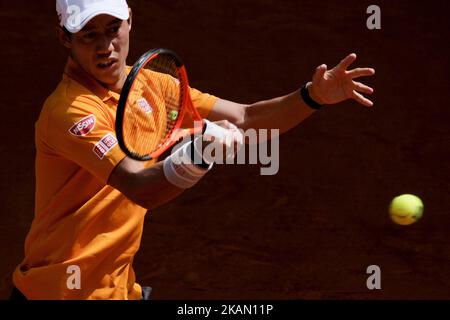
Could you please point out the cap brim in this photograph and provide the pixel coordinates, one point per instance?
(86, 16)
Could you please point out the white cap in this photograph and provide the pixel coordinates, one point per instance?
(75, 14)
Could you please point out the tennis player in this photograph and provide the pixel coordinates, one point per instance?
(91, 199)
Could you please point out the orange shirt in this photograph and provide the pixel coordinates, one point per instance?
(79, 220)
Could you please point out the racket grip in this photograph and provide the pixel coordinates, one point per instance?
(196, 155)
(213, 131)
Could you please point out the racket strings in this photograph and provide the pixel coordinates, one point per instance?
(153, 106)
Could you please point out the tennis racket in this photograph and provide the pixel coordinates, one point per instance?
(155, 110)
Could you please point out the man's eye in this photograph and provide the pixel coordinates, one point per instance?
(89, 35)
(114, 30)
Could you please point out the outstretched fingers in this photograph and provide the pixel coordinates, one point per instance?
(360, 72)
(320, 73)
(361, 99)
(360, 87)
(347, 61)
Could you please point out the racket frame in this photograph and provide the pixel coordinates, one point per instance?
(176, 134)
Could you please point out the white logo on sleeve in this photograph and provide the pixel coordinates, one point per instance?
(104, 145)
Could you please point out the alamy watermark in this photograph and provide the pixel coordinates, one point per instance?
(251, 146)
(374, 20)
(74, 279)
(374, 280)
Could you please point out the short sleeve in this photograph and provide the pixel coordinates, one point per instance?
(169, 88)
(84, 133)
(203, 102)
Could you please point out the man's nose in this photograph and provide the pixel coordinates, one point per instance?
(104, 45)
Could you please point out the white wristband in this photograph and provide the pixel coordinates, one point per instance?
(181, 171)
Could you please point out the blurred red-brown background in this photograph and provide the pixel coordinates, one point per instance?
(311, 231)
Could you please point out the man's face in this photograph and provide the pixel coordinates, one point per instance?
(101, 49)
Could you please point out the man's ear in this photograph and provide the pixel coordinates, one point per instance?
(130, 19)
(63, 38)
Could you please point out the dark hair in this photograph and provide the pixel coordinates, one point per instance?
(66, 32)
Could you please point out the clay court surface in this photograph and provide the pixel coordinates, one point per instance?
(311, 231)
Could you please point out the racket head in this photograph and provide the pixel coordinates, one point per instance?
(153, 105)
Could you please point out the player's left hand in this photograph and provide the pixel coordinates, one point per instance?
(338, 84)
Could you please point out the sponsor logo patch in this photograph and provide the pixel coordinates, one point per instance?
(83, 127)
(145, 106)
(104, 145)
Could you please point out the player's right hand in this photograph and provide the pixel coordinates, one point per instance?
(222, 141)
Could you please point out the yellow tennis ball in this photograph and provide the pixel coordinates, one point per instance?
(406, 209)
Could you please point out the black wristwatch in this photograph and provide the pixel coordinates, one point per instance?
(304, 92)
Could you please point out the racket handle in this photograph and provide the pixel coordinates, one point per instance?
(196, 155)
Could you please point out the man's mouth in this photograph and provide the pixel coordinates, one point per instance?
(106, 64)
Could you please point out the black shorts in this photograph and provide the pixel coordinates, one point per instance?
(16, 295)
